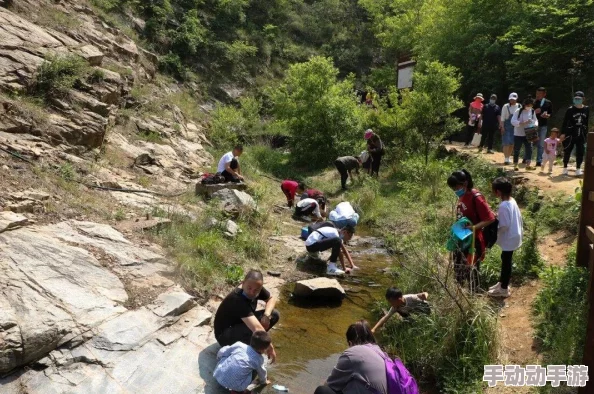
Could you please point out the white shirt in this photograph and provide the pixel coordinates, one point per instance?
(510, 230)
(526, 114)
(227, 157)
(343, 211)
(328, 232)
(507, 112)
(306, 202)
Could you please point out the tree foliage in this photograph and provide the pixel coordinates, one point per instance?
(320, 112)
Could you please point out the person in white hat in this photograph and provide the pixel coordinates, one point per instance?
(507, 132)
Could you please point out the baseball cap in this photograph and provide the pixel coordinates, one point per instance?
(494, 96)
(513, 96)
(579, 93)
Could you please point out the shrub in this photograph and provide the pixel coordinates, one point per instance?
(230, 125)
(58, 74)
(560, 310)
(321, 113)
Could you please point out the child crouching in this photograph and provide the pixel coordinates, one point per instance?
(237, 363)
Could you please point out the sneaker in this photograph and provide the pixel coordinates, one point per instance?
(530, 168)
(496, 286)
(490, 152)
(506, 162)
(332, 270)
(524, 161)
(501, 293)
(538, 164)
(516, 168)
(579, 172)
(565, 171)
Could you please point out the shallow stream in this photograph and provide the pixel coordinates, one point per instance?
(310, 337)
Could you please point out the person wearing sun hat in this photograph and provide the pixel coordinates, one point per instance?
(574, 131)
(375, 147)
(475, 110)
(507, 133)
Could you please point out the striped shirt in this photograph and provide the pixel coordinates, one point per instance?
(236, 364)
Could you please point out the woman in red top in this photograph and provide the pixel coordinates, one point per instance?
(290, 188)
(472, 205)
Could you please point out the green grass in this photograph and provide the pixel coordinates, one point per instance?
(58, 74)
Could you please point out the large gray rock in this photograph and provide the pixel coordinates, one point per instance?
(10, 220)
(319, 288)
(232, 200)
(209, 190)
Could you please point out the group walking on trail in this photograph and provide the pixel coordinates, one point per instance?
(524, 127)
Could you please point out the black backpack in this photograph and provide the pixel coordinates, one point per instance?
(490, 231)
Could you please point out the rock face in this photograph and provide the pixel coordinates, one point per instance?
(319, 288)
(63, 297)
(209, 190)
(234, 200)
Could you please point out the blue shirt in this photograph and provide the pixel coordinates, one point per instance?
(236, 364)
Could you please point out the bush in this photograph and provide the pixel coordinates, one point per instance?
(58, 74)
(321, 113)
(231, 125)
(560, 310)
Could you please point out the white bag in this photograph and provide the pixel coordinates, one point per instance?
(364, 156)
(476, 140)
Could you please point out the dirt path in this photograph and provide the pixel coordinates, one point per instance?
(552, 185)
(515, 318)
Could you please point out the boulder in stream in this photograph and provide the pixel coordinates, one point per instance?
(319, 288)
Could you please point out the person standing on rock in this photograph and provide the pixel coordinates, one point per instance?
(290, 189)
(327, 237)
(345, 165)
(574, 132)
(229, 165)
(507, 134)
(543, 108)
(237, 319)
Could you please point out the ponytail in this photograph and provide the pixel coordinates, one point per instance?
(459, 177)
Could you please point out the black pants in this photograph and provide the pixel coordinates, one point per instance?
(325, 244)
(487, 136)
(470, 130)
(326, 390)
(228, 176)
(463, 271)
(344, 174)
(304, 211)
(506, 268)
(376, 160)
(568, 144)
(241, 333)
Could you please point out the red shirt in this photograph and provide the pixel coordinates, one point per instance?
(313, 193)
(290, 188)
(476, 209)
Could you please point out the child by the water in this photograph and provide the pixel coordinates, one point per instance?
(509, 234)
(236, 363)
(550, 150)
(404, 305)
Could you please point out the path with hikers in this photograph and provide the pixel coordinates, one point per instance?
(517, 342)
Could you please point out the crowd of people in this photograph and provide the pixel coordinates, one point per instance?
(243, 330)
(525, 125)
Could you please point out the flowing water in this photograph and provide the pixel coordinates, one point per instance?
(310, 337)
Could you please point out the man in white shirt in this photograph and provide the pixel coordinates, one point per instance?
(327, 237)
(344, 215)
(229, 165)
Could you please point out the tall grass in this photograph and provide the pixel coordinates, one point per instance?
(560, 311)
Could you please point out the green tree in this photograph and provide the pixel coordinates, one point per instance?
(321, 112)
(428, 108)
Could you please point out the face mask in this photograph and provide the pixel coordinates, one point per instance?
(492, 101)
(460, 192)
(578, 101)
